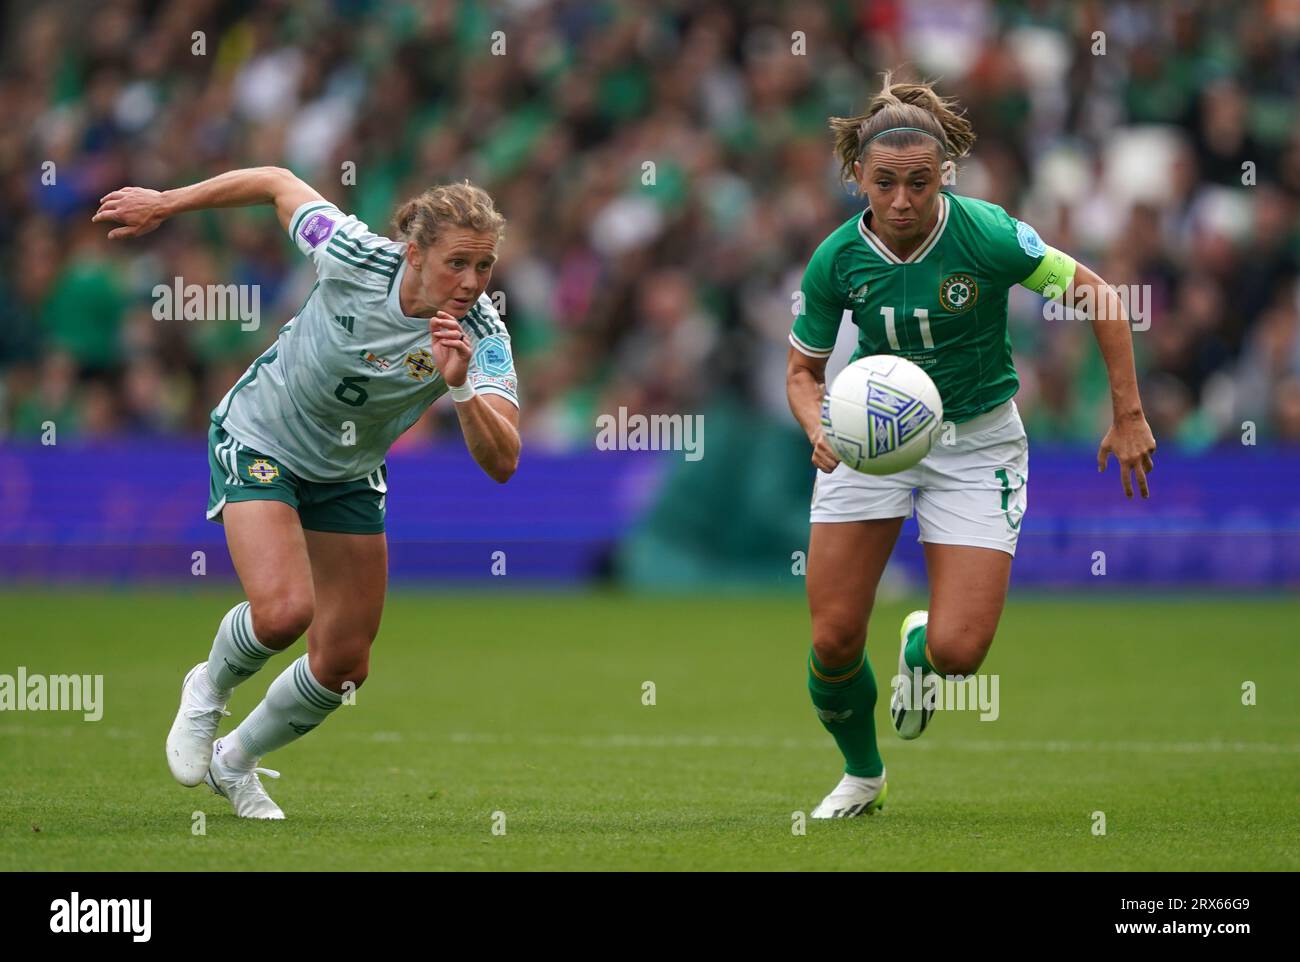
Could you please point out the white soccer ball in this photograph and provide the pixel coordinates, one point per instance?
(881, 414)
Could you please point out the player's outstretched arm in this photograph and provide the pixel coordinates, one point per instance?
(804, 386)
(140, 210)
(1129, 437)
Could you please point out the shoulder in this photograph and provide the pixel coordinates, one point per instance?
(985, 215)
(343, 247)
(483, 320)
(363, 256)
(978, 212)
(838, 240)
(990, 222)
(824, 265)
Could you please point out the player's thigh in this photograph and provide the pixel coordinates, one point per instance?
(350, 573)
(969, 510)
(269, 552)
(845, 562)
(968, 589)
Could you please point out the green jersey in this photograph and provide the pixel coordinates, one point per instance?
(350, 372)
(944, 307)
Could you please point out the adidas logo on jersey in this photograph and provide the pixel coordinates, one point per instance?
(345, 321)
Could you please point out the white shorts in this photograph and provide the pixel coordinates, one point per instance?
(971, 490)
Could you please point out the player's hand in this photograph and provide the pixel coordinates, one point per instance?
(138, 209)
(451, 350)
(1132, 443)
(823, 456)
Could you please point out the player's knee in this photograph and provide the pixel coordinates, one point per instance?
(837, 645)
(342, 670)
(281, 622)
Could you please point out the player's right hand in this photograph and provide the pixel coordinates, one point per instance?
(139, 209)
(451, 350)
(823, 456)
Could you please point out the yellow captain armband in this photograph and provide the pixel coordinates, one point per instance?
(1052, 275)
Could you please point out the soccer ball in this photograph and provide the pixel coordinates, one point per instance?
(881, 414)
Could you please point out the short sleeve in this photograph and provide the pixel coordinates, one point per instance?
(1020, 257)
(818, 323)
(340, 245)
(492, 367)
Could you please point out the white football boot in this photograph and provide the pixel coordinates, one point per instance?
(242, 788)
(854, 796)
(909, 718)
(189, 743)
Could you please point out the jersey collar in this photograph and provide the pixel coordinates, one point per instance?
(395, 301)
(918, 255)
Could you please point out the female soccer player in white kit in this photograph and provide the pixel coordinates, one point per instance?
(296, 448)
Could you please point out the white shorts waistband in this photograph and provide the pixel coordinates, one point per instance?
(995, 417)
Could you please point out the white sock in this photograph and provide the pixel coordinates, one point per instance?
(294, 704)
(236, 654)
(233, 755)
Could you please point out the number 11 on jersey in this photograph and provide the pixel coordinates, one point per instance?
(921, 314)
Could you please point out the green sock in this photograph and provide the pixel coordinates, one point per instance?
(845, 699)
(914, 653)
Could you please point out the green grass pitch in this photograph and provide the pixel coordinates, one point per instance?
(531, 705)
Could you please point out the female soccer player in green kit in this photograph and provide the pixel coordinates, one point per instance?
(296, 448)
(926, 273)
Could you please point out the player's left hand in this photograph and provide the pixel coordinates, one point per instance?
(1132, 443)
(451, 350)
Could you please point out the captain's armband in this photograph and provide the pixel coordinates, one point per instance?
(1053, 274)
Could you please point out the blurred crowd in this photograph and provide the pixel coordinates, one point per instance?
(666, 171)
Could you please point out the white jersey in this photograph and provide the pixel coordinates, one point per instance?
(350, 372)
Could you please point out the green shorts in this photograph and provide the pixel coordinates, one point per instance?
(238, 473)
